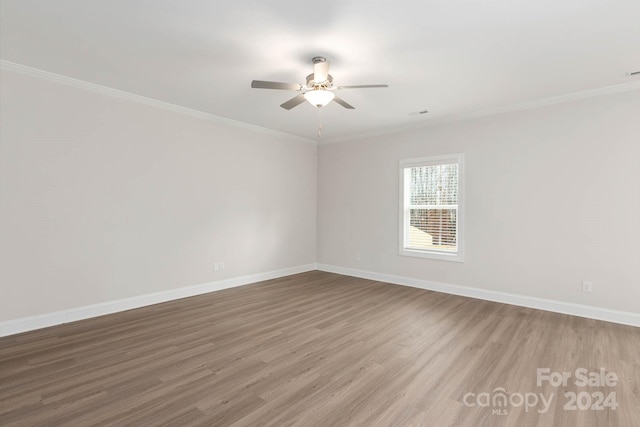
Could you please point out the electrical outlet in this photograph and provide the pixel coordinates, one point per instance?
(357, 257)
(221, 265)
(216, 266)
(587, 286)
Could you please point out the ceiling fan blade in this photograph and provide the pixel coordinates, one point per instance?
(361, 86)
(343, 103)
(293, 102)
(259, 84)
(321, 71)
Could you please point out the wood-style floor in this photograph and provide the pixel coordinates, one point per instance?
(319, 349)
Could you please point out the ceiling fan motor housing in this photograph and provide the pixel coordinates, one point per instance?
(311, 83)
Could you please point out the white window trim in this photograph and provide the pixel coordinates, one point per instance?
(426, 161)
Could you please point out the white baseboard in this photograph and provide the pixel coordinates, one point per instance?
(79, 313)
(591, 312)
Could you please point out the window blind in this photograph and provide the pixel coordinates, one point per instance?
(431, 202)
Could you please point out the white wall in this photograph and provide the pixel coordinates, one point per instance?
(104, 199)
(552, 199)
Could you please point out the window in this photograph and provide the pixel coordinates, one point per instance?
(431, 193)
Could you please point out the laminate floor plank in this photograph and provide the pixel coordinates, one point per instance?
(318, 349)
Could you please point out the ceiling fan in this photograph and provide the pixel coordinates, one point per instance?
(319, 89)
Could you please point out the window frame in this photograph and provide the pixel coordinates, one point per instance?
(457, 256)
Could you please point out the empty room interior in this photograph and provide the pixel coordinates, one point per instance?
(354, 213)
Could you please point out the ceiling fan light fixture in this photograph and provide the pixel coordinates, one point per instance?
(319, 97)
(318, 90)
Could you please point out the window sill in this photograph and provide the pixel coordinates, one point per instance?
(439, 256)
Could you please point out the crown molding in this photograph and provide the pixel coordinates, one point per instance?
(120, 94)
(544, 102)
(537, 103)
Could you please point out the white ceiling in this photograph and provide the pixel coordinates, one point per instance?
(453, 58)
